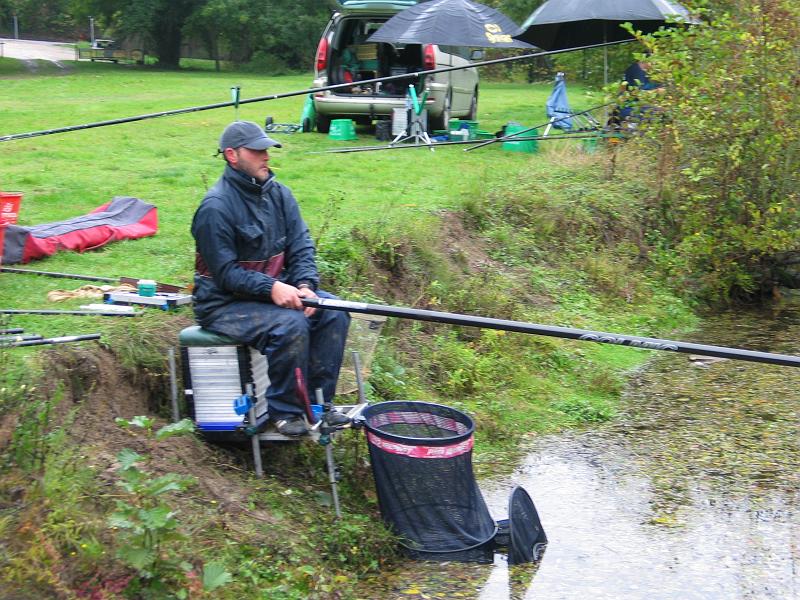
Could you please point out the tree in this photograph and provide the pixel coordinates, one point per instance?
(277, 32)
(159, 22)
(729, 156)
(42, 18)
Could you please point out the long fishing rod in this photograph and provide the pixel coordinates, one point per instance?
(514, 135)
(94, 313)
(59, 275)
(55, 340)
(554, 331)
(19, 337)
(179, 111)
(565, 136)
(160, 287)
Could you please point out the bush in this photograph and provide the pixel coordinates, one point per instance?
(728, 157)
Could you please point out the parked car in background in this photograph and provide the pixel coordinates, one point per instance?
(344, 56)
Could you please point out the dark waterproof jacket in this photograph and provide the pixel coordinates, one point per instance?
(247, 236)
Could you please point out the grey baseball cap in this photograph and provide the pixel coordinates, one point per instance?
(245, 134)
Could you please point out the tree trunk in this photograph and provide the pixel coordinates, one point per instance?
(168, 46)
(168, 41)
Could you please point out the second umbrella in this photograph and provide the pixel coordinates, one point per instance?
(450, 23)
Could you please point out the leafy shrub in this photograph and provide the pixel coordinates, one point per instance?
(583, 410)
(728, 158)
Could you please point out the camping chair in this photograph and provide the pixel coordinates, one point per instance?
(561, 115)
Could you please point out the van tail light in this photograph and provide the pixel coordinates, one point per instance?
(428, 57)
(322, 55)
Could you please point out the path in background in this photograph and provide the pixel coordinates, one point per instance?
(31, 50)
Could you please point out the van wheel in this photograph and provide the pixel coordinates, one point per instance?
(443, 120)
(323, 124)
(473, 107)
(306, 125)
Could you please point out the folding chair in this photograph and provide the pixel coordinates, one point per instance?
(561, 115)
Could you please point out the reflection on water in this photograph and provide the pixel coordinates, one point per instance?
(691, 494)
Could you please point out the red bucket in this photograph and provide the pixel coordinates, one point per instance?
(9, 211)
(9, 206)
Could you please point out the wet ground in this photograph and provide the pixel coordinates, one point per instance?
(692, 493)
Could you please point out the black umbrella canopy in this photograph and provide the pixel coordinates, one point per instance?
(450, 23)
(562, 24)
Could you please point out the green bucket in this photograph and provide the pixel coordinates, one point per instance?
(472, 127)
(342, 129)
(523, 145)
(590, 145)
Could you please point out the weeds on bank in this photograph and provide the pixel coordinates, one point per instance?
(146, 524)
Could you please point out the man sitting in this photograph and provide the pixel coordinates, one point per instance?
(254, 263)
(637, 80)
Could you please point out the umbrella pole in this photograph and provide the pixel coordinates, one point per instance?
(605, 55)
(605, 68)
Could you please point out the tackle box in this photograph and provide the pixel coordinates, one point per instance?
(216, 372)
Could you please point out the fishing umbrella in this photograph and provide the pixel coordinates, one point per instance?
(450, 23)
(562, 24)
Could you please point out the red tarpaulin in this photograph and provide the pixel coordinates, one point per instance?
(123, 218)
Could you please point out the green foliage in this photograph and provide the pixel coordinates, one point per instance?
(214, 576)
(388, 378)
(37, 18)
(583, 410)
(272, 37)
(347, 545)
(146, 524)
(157, 23)
(31, 445)
(727, 159)
(182, 427)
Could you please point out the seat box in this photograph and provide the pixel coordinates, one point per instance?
(215, 374)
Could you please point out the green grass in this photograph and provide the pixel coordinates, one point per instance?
(169, 161)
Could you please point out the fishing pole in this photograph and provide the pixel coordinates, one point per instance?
(405, 76)
(564, 136)
(99, 313)
(518, 133)
(160, 287)
(553, 331)
(19, 337)
(55, 340)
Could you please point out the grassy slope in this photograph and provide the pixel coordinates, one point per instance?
(538, 255)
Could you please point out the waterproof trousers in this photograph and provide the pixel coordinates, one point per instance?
(289, 340)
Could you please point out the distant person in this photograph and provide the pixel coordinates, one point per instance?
(636, 76)
(254, 262)
(636, 79)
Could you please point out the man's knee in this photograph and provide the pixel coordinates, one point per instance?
(292, 325)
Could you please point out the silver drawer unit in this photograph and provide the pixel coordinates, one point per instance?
(215, 376)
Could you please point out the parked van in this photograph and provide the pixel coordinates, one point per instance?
(344, 56)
